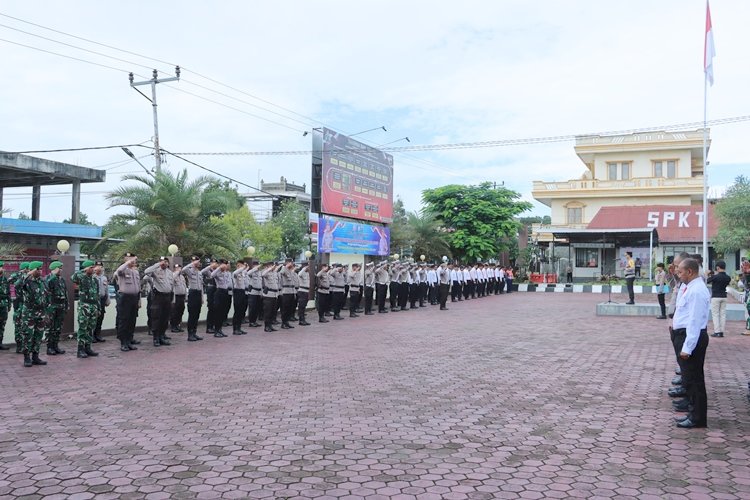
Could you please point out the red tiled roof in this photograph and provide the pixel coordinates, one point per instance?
(674, 223)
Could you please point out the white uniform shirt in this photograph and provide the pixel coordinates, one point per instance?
(693, 305)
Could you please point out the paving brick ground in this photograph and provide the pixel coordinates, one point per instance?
(519, 396)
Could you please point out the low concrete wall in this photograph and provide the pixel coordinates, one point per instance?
(735, 312)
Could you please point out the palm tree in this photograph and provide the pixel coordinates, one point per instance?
(170, 209)
(9, 249)
(428, 237)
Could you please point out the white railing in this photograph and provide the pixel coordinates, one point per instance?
(645, 182)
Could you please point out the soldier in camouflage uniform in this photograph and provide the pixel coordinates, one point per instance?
(88, 307)
(16, 280)
(58, 306)
(34, 314)
(4, 303)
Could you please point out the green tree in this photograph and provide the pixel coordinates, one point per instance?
(476, 217)
(428, 237)
(244, 231)
(733, 212)
(292, 221)
(167, 209)
(401, 237)
(23, 216)
(83, 220)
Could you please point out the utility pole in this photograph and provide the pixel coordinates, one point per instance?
(153, 82)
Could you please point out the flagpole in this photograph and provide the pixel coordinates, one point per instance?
(706, 259)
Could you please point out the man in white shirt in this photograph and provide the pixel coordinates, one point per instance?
(691, 338)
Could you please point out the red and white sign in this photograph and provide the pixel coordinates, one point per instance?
(673, 223)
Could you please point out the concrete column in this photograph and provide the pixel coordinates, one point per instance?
(68, 269)
(36, 199)
(1, 200)
(75, 212)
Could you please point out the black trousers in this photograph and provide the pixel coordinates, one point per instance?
(160, 308)
(380, 292)
(693, 377)
(269, 310)
(222, 302)
(338, 298)
(413, 294)
(194, 309)
(403, 294)
(100, 316)
(239, 300)
(501, 286)
(432, 294)
(662, 304)
(443, 292)
(210, 298)
(629, 282)
(178, 309)
(422, 293)
(302, 299)
(393, 294)
(455, 291)
(288, 302)
(254, 307)
(468, 286)
(324, 303)
(368, 298)
(128, 310)
(354, 300)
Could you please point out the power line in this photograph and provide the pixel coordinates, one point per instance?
(88, 148)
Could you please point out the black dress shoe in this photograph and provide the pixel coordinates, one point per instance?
(51, 351)
(322, 320)
(304, 323)
(135, 342)
(255, 325)
(681, 418)
(192, 337)
(338, 318)
(284, 326)
(124, 348)
(678, 371)
(682, 408)
(676, 392)
(630, 303)
(328, 314)
(661, 317)
(166, 337)
(165, 340)
(197, 337)
(677, 380)
(175, 330)
(370, 313)
(689, 424)
(718, 334)
(270, 329)
(219, 335)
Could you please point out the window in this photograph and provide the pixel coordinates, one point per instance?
(587, 257)
(615, 168)
(575, 215)
(612, 169)
(670, 171)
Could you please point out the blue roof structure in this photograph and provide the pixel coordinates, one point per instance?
(53, 229)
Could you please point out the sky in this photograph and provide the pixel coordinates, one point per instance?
(257, 75)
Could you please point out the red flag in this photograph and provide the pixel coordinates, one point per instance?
(709, 51)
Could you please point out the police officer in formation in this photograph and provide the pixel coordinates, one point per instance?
(255, 290)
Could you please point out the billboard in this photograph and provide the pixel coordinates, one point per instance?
(343, 236)
(355, 180)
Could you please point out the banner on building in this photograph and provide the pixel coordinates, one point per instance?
(343, 236)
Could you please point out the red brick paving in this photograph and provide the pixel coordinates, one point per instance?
(518, 396)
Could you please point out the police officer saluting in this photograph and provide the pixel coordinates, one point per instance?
(270, 292)
(161, 301)
(195, 296)
(303, 294)
(128, 301)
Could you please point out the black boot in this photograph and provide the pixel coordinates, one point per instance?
(165, 340)
(89, 352)
(322, 319)
(197, 337)
(99, 338)
(82, 351)
(135, 342)
(51, 349)
(26, 359)
(157, 342)
(57, 349)
(303, 322)
(36, 360)
(19, 348)
(192, 337)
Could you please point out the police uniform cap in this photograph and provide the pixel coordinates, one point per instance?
(33, 265)
(162, 258)
(129, 254)
(24, 265)
(87, 263)
(194, 258)
(177, 265)
(56, 264)
(223, 261)
(214, 260)
(99, 263)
